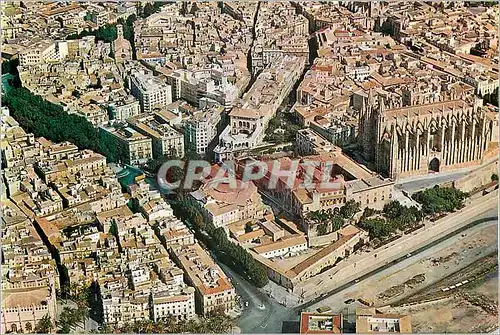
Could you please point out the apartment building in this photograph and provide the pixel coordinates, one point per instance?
(248, 121)
(85, 160)
(206, 83)
(121, 307)
(150, 91)
(201, 129)
(308, 142)
(213, 287)
(99, 15)
(165, 139)
(132, 147)
(122, 109)
(180, 304)
(321, 323)
(43, 51)
(29, 276)
(17, 146)
(278, 39)
(337, 126)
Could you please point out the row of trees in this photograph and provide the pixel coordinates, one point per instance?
(331, 220)
(10, 66)
(215, 323)
(438, 200)
(45, 119)
(106, 33)
(69, 317)
(234, 256)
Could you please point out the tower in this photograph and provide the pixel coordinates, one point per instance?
(368, 127)
(119, 31)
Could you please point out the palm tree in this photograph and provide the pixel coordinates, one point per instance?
(45, 325)
(29, 327)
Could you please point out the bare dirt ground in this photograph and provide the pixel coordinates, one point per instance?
(466, 312)
(411, 279)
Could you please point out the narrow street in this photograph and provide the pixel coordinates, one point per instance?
(417, 183)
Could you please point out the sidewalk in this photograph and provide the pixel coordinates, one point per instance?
(281, 295)
(361, 263)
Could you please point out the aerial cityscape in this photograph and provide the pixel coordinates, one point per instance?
(249, 167)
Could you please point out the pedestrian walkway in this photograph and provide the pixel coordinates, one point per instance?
(281, 295)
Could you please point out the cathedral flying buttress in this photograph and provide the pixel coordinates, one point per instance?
(428, 138)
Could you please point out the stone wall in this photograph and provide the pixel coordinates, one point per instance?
(477, 178)
(317, 241)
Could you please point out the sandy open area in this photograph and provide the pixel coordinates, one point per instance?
(454, 315)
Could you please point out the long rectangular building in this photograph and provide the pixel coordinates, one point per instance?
(213, 288)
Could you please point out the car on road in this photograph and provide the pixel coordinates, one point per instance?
(349, 301)
(408, 255)
(246, 303)
(99, 328)
(357, 280)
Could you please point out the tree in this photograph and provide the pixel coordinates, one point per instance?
(45, 325)
(337, 223)
(28, 327)
(66, 320)
(439, 200)
(322, 229)
(386, 29)
(148, 10)
(491, 98)
(494, 177)
(248, 227)
(392, 210)
(377, 228)
(113, 228)
(368, 212)
(349, 209)
(48, 120)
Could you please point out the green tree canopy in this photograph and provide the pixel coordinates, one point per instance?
(349, 209)
(45, 325)
(439, 200)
